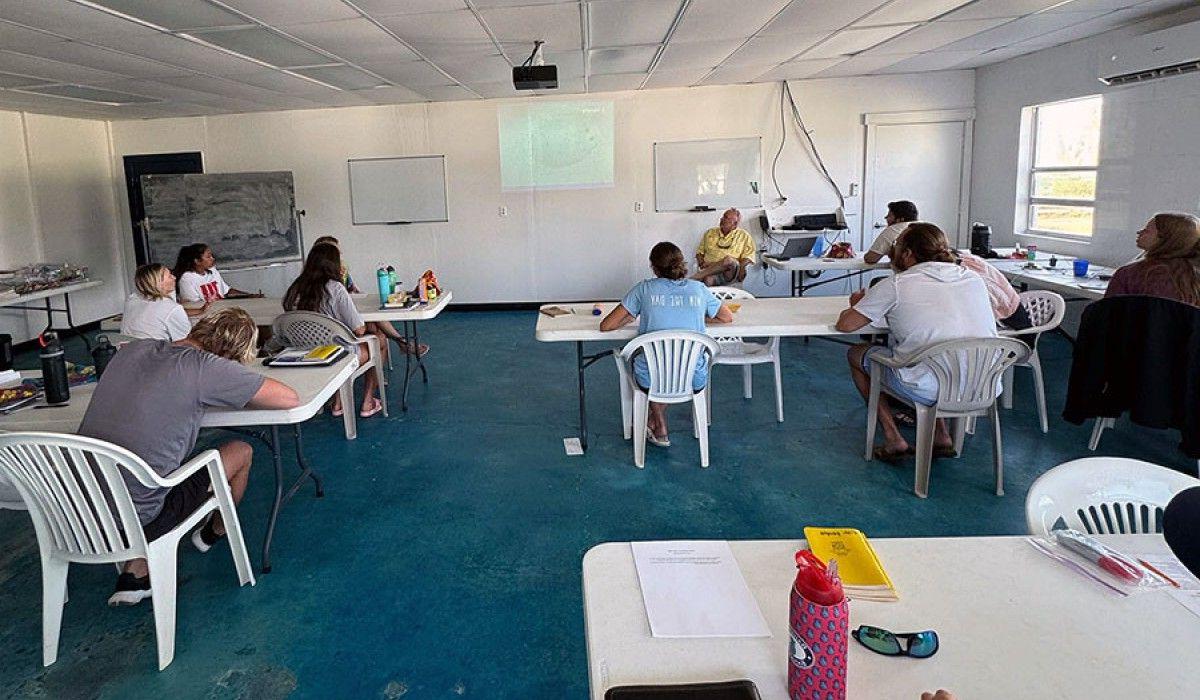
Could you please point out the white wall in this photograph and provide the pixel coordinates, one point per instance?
(1150, 143)
(556, 244)
(56, 204)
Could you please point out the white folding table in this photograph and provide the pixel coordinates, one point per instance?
(813, 266)
(21, 302)
(757, 318)
(1011, 623)
(264, 310)
(314, 385)
(1060, 278)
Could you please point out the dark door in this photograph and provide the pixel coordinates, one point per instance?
(153, 164)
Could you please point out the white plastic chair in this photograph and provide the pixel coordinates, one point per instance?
(308, 329)
(736, 351)
(1103, 496)
(968, 373)
(671, 358)
(59, 479)
(1046, 310)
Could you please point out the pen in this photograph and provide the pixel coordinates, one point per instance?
(1160, 574)
(1095, 553)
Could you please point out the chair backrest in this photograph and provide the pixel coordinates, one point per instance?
(1103, 495)
(309, 329)
(968, 370)
(1046, 312)
(728, 294)
(73, 490)
(671, 358)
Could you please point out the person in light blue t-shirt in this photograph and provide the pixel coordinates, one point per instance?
(667, 302)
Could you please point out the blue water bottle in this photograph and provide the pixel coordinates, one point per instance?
(385, 285)
(818, 246)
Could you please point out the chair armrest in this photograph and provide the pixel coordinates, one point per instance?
(189, 468)
(893, 362)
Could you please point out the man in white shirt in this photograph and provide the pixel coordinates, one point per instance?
(899, 215)
(929, 300)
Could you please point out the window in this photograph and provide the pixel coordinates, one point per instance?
(1062, 176)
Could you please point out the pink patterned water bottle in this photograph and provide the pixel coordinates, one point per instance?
(820, 630)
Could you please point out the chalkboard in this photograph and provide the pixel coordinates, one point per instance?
(248, 219)
(398, 190)
(718, 174)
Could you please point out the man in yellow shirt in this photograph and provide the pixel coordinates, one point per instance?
(725, 252)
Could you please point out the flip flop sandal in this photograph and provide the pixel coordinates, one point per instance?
(376, 407)
(945, 451)
(655, 440)
(883, 454)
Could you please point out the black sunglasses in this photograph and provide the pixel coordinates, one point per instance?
(919, 645)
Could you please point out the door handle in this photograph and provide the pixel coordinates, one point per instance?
(878, 225)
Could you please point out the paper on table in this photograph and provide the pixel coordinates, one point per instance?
(1174, 569)
(696, 589)
(1188, 599)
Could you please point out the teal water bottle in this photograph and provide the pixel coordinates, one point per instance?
(393, 277)
(385, 285)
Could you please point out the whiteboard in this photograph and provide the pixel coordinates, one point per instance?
(717, 173)
(403, 190)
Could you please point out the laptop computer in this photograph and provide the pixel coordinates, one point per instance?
(797, 248)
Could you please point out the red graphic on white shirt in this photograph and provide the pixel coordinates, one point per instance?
(210, 291)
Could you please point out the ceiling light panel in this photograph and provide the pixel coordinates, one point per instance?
(344, 77)
(278, 12)
(630, 22)
(810, 16)
(265, 46)
(176, 15)
(557, 25)
(629, 59)
(91, 94)
(706, 20)
(352, 39)
(910, 11)
(852, 41)
(106, 60)
(698, 54)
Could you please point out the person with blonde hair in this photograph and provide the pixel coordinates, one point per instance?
(151, 401)
(1170, 267)
(151, 310)
(725, 251)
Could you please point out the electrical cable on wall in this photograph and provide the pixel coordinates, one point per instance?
(782, 143)
(812, 146)
(537, 45)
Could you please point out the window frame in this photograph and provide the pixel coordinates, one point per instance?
(1032, 200)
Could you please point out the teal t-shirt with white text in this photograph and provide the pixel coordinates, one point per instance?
(670, 305)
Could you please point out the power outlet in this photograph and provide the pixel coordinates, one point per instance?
(637, 207)
(503, 211)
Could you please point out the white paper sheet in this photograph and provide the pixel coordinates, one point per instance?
(696, 589)
(1169, 565)
(1188, 599)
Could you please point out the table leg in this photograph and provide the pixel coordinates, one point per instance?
(407, 368)
(277, 461)
(305, 470)
(416, 346)
(349, 420)
(71, 323)
(583, 441)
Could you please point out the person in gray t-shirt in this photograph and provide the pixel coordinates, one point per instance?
(151, 401)
(319, 289)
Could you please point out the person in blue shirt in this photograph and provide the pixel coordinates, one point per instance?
(667, 302)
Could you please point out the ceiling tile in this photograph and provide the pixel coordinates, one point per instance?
(226, 87)
(352, 39)
(615, 82)
(403, 7)
(408, 73)
(852, 41)
(1093, 5)
(496, 89)
(933, 60)
(696, 54)
(987, 9)
(445, 93)
(90, 94)
(858, 65)
(264, 45)
(989, 57)
(772, 49)
(570, 86)
(181, 52)
(629, 59)
(675, 78)
(56, 71)
(798, 69)
(389, 95)
(68, 18)
(911, 11)
(292, 11)
(511, 3)
(438, 51)
(177, 15)
(105, 59)
(484, 69)
(278, 81)
(441, 27)
(804, 17)
(729, 75)
(934, 35)
(630, 22)
(344, 77)
(15, 37)
(706, 20)
(570, 63)
(557, 25)
(344, 98)
(10, 80)
(1019, 30)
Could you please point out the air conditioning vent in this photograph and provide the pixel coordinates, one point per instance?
(1143, 76)
(1154, 56)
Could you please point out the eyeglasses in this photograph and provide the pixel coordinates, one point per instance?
(919, 645)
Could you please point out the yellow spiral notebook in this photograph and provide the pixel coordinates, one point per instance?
(863, 576)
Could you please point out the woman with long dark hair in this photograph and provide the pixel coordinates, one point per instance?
(199, 280)
(319, 288)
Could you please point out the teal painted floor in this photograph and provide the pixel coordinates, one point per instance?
(444, 559)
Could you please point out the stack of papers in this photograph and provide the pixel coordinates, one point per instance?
(863, 576)
(318, 356)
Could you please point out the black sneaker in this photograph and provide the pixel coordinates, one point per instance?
(130, 590)
(205, 537)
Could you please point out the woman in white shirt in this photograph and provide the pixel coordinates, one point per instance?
(929, 299)
(199, 278)
(151, 311)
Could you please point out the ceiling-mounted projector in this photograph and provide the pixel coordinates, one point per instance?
(533, 74)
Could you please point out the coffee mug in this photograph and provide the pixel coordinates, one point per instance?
(1081, 267)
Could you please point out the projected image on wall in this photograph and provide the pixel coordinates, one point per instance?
(556, 145)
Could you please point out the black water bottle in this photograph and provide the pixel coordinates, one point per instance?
(102, 354)
(54, 370)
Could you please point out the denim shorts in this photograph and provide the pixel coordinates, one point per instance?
(893, 381)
